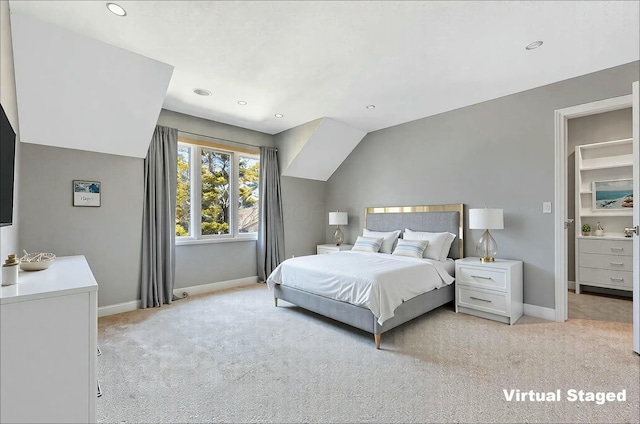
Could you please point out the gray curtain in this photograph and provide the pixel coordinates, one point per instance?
(270, 227)
(159, 218)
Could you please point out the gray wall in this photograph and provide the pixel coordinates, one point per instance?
(499, 154)
(615, 125)
(110, 236)
(305, 220)
(198, 264)
(305, 217)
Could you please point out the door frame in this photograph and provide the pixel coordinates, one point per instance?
(561, 142)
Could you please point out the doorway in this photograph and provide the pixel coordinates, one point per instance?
(562, 118)
(602, 137)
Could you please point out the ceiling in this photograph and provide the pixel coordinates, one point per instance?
(307, 60)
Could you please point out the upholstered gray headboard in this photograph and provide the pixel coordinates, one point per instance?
(433, 218)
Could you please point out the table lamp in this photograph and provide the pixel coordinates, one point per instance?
(338, 219)
(486, 219)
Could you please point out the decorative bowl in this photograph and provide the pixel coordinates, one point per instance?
(36, 261)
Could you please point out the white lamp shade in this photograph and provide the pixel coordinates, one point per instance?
(338, 218)
(486, 219)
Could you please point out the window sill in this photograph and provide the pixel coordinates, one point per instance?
(214, 241)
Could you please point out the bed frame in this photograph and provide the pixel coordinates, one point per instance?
(434, 218)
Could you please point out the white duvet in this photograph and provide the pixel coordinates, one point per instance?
(380, 282)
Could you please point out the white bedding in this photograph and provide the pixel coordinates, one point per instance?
(378, 281)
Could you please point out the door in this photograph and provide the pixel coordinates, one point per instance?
(636, 219)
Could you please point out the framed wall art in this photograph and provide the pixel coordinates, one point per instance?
(613, 195)
(86, 193)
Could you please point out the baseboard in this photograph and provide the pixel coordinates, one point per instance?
(571, 285)
(540, 312)
(104, 311)
(211, 287)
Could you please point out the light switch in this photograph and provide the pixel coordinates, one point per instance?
(546, 207)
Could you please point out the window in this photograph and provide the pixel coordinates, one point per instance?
(219, 200)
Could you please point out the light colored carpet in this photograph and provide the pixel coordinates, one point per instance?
(231, 356)
(600, 307)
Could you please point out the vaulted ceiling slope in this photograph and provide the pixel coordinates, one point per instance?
(79, 93)
(312, 59)
(316, 149)
(317, 74)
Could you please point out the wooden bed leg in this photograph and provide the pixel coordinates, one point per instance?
(377, 338)
(275, 300)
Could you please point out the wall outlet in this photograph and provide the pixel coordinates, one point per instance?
(546, 207)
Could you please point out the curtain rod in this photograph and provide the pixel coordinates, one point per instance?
(223, 139)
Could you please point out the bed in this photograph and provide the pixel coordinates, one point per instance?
(431, 218)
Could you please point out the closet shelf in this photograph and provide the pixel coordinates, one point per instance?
(599, 162)
(606, 213)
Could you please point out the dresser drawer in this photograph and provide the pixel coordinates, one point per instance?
(606, 247)
(492, 302)
(606, 278)
(610, 262)
(324, 251)
(482, 277)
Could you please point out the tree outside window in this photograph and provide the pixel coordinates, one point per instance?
(183, 192)
(224, 175)
(248, 194)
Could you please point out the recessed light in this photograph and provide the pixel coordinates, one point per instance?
(202, 92)
(242, 102)
(534, 45)
(278, 115)
(371, 106)
(116, 9)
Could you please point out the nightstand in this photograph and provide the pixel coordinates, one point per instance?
(332, 248)
(491, 290)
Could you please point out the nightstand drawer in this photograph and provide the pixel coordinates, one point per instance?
(482, 277)
(621, 280)
(323, 249)
(495, 303)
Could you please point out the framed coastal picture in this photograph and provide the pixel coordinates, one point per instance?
(613, 195)
(86, 193)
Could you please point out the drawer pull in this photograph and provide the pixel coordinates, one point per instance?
(616, 279)
(480, 276)
(616, 263)
(619, 249)
(482, 300)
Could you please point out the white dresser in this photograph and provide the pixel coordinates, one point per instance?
(322, 249)
(605, 262)
(49, 345)
(492, 290)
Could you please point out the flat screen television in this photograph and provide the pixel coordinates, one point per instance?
(7, 169)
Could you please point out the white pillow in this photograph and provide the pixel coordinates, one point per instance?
(390, 238)
(411, 248)
(367, 244)
(446, 246)
(439, 243)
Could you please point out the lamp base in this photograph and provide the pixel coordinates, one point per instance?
(486, 248)
(338, 237)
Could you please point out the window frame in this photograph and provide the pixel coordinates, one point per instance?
(195, 193)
